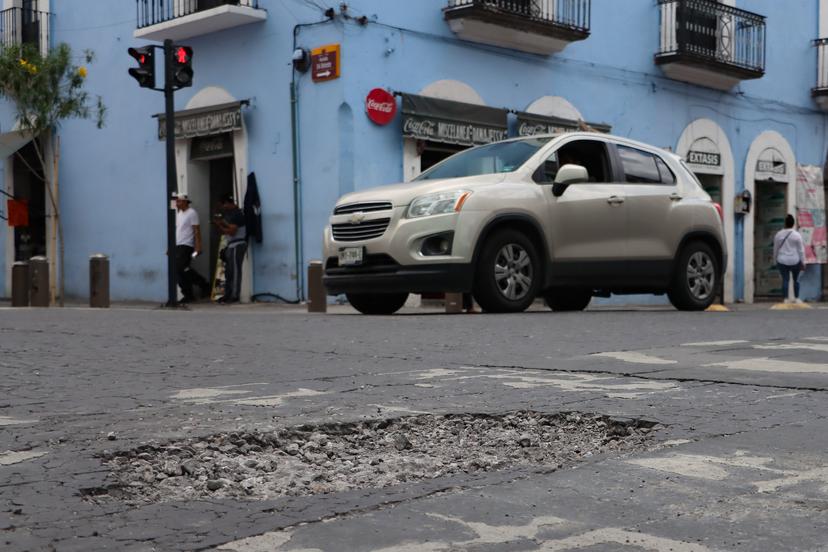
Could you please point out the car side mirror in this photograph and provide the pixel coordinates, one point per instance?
(567, 175)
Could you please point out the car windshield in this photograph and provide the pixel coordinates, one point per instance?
(496, 158)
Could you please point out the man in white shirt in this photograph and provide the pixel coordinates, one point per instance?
(789, 254)
(187, 247)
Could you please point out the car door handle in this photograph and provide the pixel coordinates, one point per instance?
(615, 200)
(675, 197)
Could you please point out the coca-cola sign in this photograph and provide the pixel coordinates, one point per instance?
(381, 106)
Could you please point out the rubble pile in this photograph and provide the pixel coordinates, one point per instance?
(326, 458)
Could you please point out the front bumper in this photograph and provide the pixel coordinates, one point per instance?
(386, 276)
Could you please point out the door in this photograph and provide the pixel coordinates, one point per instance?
(652, 194)
(587, 222)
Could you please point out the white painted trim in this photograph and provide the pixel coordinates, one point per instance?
(453, 90)
(8, 182)
(823, 18)
(555, 106)
(215, 95)
(706, 128)
(768, 139)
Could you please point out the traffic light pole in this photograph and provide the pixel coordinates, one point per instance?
(172, 293)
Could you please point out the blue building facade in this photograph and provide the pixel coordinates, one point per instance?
(732, 86)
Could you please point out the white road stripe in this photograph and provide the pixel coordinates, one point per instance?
(787, 346)
(635, 358)
(772, 365)
(714, 343)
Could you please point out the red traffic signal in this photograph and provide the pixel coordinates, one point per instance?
(145, 72)
(182, 71)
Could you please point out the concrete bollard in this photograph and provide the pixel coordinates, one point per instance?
(99, 281)
(20, 284)
(317, 296)
(39, 278)
(454, 303)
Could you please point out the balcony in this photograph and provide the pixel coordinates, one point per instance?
(534, 26)
(710, 44)
(180, 19)
(820, 91)
(20, 26)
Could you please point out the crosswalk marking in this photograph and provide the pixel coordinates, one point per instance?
(635, 357)
(715, 343)
(765, 364)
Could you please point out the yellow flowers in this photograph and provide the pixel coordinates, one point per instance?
(82, 72)
(29, 67)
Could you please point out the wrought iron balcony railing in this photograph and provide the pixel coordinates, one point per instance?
(152, 12)
(24, 26)
(574, 14)
(711, 33)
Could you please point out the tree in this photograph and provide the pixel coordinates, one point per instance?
(47, 89)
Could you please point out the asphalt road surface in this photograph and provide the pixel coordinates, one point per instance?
(738, 454)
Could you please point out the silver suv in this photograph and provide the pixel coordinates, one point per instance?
(566, 217)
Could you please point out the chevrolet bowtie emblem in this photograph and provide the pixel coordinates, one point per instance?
(357, 218)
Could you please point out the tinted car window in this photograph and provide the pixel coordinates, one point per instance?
(501, 157)
(667, 176)
(639, 166)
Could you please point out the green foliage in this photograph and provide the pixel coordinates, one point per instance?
(47, 89)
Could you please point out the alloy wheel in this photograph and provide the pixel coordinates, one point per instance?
(701, 275)
(513, 272)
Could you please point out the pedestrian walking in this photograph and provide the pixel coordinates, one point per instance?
(231, 223)
(187, 247)
(789, 254)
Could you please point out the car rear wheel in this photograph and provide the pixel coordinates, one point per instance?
(696, 278)
(377, 303)
(508, 273)
(568, 299)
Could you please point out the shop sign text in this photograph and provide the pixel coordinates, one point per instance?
(454, 132)
(203, 124)
(772, 167)
(704, 158)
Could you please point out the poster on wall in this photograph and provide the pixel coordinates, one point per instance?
(810, 213)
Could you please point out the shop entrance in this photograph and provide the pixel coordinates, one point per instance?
(29, 241)
(213, 178)
(712, 184)
(432, 153)
(770, 208)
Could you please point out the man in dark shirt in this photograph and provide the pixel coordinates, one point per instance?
(231, 224)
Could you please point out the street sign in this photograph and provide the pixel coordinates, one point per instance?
(325, 63)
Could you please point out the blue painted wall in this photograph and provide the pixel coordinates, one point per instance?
(113, 179)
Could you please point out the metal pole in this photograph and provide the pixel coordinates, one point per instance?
(171, 172)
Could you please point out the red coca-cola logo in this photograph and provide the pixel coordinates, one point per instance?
(381, 106)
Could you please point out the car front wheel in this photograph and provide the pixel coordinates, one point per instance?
(377, 303)
(508, 273)
(696, 278)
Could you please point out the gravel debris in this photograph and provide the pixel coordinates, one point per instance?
(328, 458)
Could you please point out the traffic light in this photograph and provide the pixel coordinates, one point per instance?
(182, 66)
(145, 72)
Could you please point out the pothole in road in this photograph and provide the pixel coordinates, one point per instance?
(326, 458)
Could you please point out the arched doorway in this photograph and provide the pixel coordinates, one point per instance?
(706, 149)
(770, 177)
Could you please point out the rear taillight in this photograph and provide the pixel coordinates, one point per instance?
(719, 209)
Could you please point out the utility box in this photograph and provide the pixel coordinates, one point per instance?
(317, 296)
(99, 281)
(20, 284)
(39, 281)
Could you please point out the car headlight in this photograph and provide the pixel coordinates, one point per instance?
(438, 204)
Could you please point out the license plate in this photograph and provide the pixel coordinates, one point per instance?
(350, 256)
